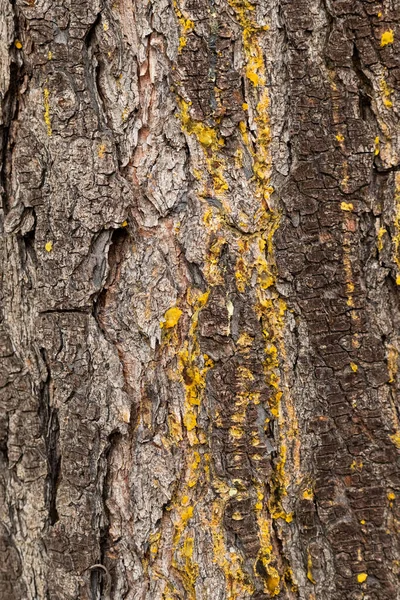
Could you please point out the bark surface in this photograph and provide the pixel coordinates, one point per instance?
(200, 316)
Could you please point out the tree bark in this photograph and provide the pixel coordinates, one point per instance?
(200, 316)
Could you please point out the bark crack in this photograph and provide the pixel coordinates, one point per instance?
(51, 432)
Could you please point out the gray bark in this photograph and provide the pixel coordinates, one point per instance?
(200, 317)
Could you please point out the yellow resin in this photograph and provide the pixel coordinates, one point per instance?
(186, 25)
(387, 38)
(46, 113)
(347, 206)
(386, 93)
(171, 317)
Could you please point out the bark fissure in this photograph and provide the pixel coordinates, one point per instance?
(50, 432)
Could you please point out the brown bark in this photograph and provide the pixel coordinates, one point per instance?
(200, 318)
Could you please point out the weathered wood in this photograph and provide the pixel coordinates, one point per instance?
(200, 318)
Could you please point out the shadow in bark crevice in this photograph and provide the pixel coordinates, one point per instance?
(51, 432)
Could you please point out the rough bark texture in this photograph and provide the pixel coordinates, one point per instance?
(200, 316)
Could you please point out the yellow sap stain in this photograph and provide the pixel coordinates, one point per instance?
(382, 231)
(101, 150)
(348, 268)
(347, 206)
(170, 593)
(256, 73)
(377, 145)
(245, 341)
(356, 465)
(309, 569)
(183, 542)
(272, 579)
(212, 270)
(183, 560)
(236, 432)
(171, 317)
(255, 70)
(154, 541)
(193, 368)
(345, 179)
(386, 92)
(255, 263)
(186, 25)
(396, 439)
(211, 141)
(46, 113)
(387, 38)
(244, 373)
(279, 484)
(308, 494)
(124, 114)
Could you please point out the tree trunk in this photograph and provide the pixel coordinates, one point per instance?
(200, 316)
